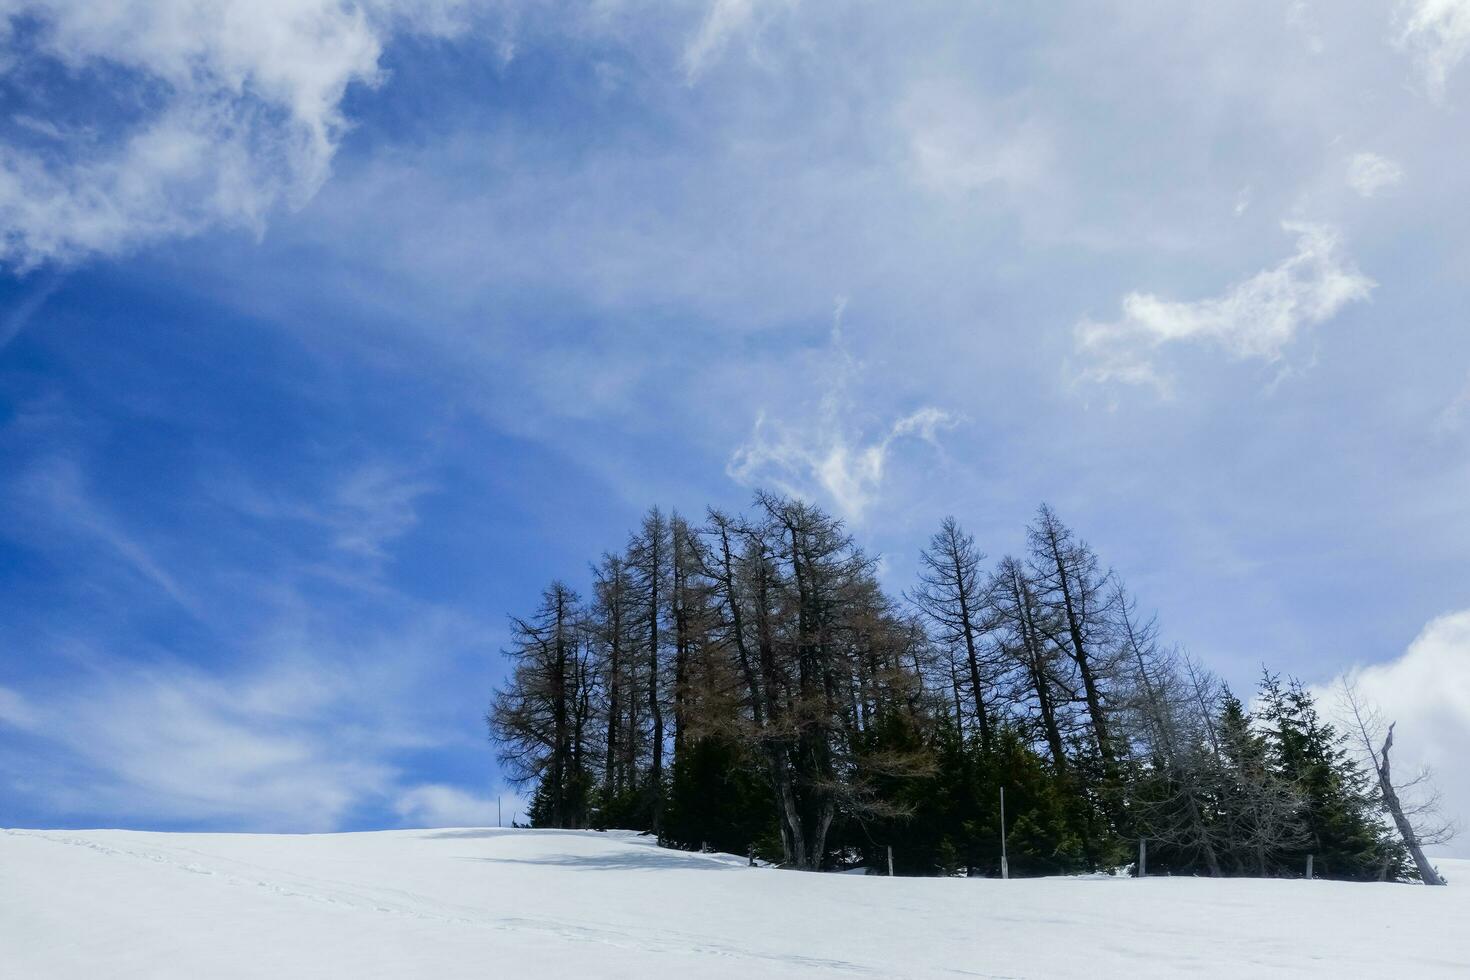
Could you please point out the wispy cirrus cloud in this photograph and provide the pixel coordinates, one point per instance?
(1256, 318)
(723, 20)
(15, 710)
(1453, 417)
(215, 113)
(284, 699)
(1369, 173)
(829, 457)
(300, 723)
(1438, 33)
(54, 493)
(959, 145)
(372, 507)
(829, 453)
(182, 744)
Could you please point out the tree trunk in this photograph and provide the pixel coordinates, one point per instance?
(1037, 669)
(1427, 874)
(980, 715)
(614, 672)
(1079, 654)
(678, 601)
(655, 710)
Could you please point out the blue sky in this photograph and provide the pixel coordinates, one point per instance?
(330, 331)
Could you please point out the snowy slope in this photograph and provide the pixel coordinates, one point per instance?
(493, 903)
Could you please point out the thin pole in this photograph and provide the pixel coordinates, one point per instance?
(1142, 857)
(1309, 866)
(890, 860)
(497, 811)
(1005, 871)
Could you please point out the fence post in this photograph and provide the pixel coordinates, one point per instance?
(1005, 870)
(1142, 857)
(890, 860)
(1309, 866)
(750, 853)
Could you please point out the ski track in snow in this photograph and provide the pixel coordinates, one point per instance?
(561, 872)
(422, 907)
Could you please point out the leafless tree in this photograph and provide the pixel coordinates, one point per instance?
(610, 624)
(1019, 613)
(648, 561)
(1075, 589)
(539, 718)
(818, 653)
(951, 594)
(1419, 821)
(1167, 705)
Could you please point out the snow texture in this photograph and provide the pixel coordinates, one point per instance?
(506, 903)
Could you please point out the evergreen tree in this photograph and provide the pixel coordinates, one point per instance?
(749, 684)
(1339, 813)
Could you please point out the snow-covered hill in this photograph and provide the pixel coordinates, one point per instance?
(506, 903)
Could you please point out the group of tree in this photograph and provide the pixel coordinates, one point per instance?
(746, 683)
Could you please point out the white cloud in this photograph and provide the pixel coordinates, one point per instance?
(19, 315)
(1427, 692)
(1242, 201)
(359, 511)
(829, 457)
(374, 506)
(1453, 416)
(1301, 18)
(281, 707)
(959, 144)
(724, 19)
(829, 454)
(189, 745)
(15, 711)
(301, 729)
(56, 489)
(437, 805)
(1369, 173)
(1438, 32)
(1256, 318)
(243, 113)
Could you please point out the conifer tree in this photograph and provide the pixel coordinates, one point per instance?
(748, 683)
(1338, 813)
(539, 719)
(951, 596)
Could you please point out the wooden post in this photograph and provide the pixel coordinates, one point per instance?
(497, 811)
(1005, 871)
(1142, 857)
(750, 852)
(890, 860)
(1309, 866)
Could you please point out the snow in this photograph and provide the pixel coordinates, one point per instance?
(505, 903)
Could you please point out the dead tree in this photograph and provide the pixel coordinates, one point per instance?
(1169, 711)
(1074, 588)
(648, 560)
(1017, 607)
(1418, 824)
(951, 596)
(611, 620)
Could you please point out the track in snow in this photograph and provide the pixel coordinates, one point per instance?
(472, 903)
